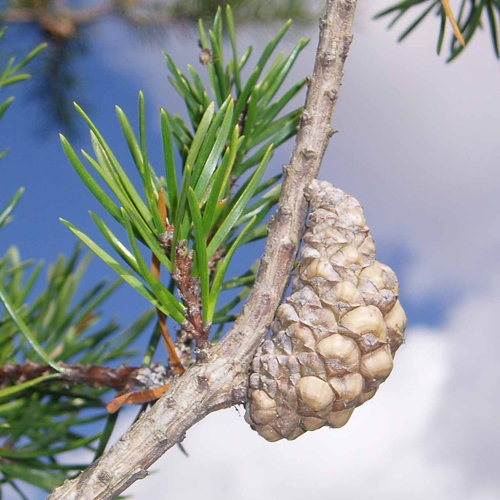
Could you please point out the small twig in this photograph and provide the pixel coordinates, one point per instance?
(189, 292)
(33, 14)
(242, 119)
(124, 378)
(189, 287)
(218, 255)
(62, 23)
(184, 344)
(175, 362)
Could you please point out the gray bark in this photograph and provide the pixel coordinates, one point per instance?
(221, 381)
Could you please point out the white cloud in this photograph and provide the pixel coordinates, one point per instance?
(467, 415)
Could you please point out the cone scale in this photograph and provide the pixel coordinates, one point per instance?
(335, 337)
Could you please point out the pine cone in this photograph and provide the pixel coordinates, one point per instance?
(335, 337)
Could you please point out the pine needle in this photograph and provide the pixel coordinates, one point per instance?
(139, 397)
(451, 17)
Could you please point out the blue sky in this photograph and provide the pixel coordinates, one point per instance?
(418, 146)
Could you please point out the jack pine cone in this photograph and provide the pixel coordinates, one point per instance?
(335, 337)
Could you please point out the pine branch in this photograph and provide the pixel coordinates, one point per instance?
(124, 378)
(222, 380)
(189, 292)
